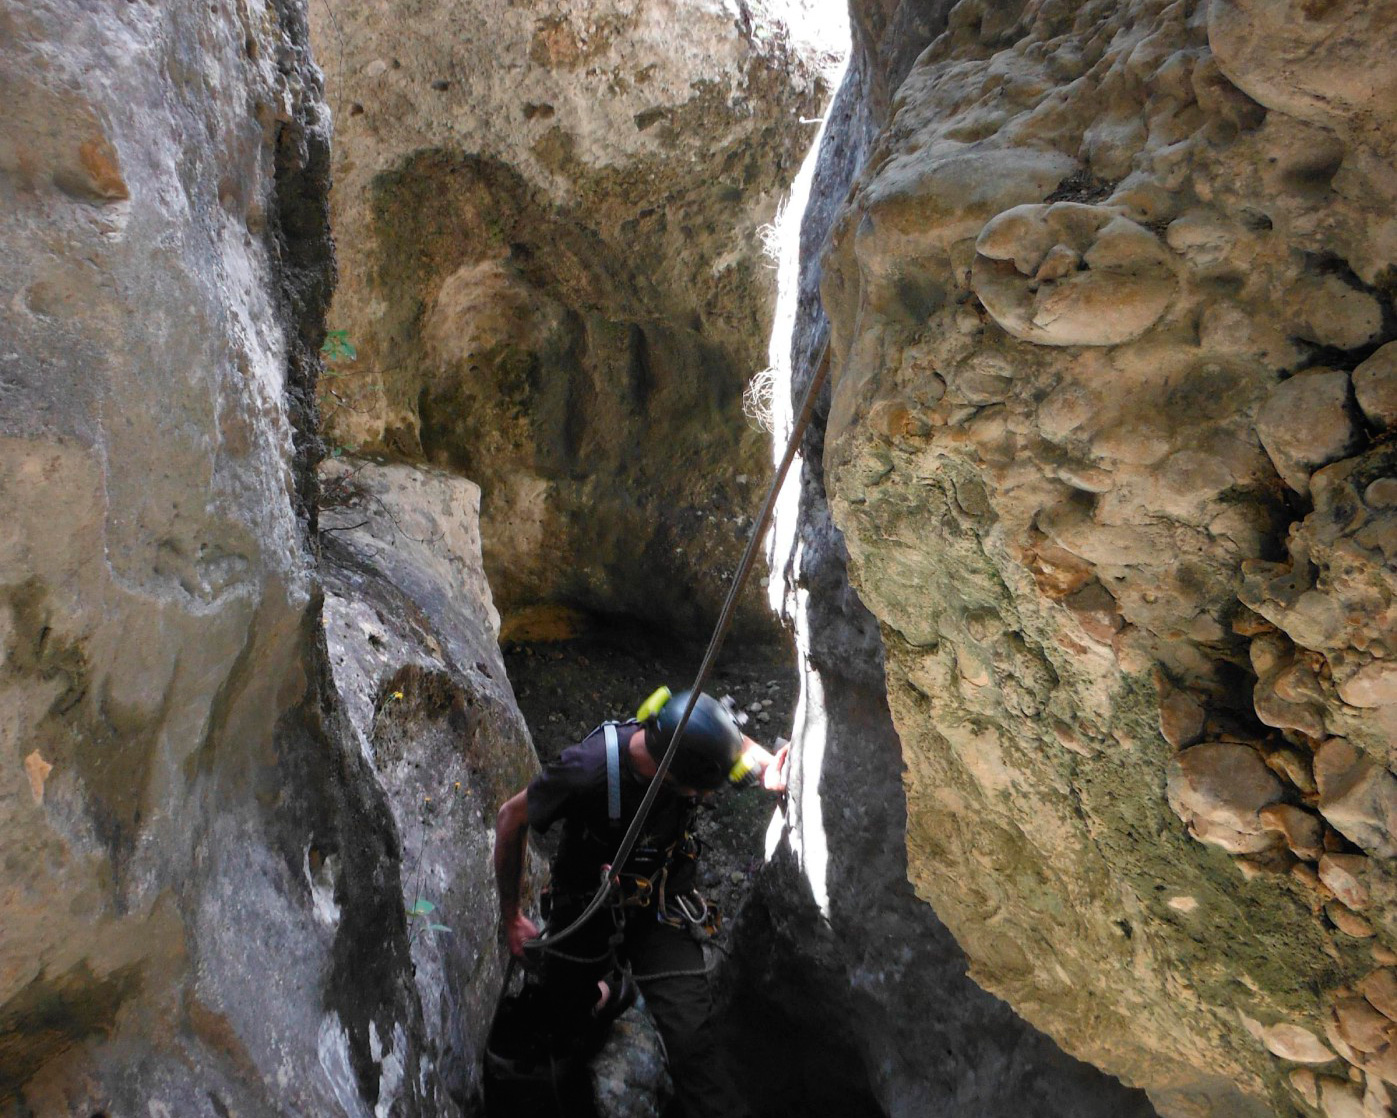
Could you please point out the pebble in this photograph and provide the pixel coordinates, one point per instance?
(1343, 873)
(764, 717)
(1348, 922)
(1362, 1027)
(1380, 988)
(1297, 1044)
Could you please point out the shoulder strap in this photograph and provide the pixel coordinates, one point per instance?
(613, 773)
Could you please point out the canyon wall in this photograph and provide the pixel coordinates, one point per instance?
(217, 862)
(833, 942)
(1108, 442)
(550, 228)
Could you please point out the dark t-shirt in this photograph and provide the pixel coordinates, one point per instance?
(573, 789)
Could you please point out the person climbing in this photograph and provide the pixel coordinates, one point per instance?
(649, 930)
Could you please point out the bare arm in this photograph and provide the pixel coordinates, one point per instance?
(511, 840)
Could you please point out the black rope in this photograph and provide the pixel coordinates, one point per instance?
(612, 879)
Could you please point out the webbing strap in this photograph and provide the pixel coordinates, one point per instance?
(613, 773)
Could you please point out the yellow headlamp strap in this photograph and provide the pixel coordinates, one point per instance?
(654, 704)
(745, 768)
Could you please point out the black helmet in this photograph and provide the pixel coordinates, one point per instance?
(710, 747)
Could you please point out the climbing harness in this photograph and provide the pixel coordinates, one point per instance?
(613, 774)
(612, 879)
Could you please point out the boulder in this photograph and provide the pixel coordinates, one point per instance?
(412, 638)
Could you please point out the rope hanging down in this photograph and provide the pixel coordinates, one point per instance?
(612, 879)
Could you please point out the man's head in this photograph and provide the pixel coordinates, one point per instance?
(710, 747)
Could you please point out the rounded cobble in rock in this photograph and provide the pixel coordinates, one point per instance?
(1343, 873)
(1303, 833)
(1373, 685)
(1348, 921)
(1306, 1085)
(1363, 1028)
(1339, 1099)
(1380, 988)
(1306, 422)
(1375, 386)
(1295, 1043)
(1218, 790)
(1357, 797)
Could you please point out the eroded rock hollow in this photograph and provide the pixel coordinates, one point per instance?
(550, 228)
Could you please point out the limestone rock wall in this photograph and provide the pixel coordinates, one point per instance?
(1107, 442)
(839, 970)
(163, 249)
(412, 638)
(549, 223)
(210, 850)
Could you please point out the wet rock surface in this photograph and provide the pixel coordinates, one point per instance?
(550, 228)
(1108, 444)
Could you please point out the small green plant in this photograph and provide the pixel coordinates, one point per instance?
(419, 919)
(337, 348)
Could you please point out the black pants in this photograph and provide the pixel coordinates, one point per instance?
(681, 1005)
